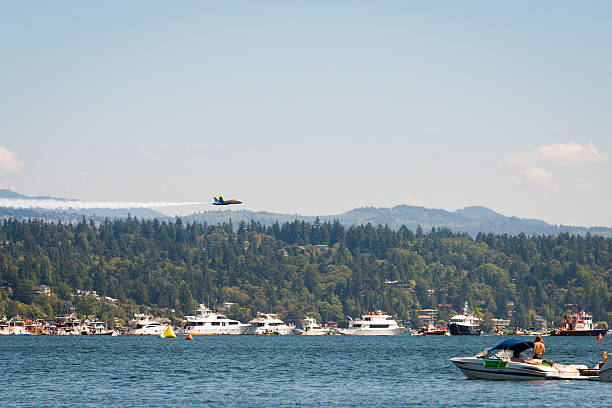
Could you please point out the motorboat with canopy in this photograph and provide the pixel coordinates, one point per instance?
(504, 362)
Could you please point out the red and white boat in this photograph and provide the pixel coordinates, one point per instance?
(578, 324)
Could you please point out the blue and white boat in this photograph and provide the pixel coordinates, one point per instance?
(499, 363)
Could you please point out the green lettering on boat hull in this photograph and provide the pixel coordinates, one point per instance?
(495, 363)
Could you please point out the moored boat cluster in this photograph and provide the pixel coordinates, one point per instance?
(62, 326)
(207, 322)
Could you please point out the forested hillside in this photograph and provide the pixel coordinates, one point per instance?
(324, 269)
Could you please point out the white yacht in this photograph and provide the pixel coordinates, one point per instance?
(67, 325)
(96, 327)
(148, 326)
(464, 324)
(208, 322)
(311, 328)
(14, 326)
(376, 323)
(268, 323)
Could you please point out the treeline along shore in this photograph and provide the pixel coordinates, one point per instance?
(319, 269)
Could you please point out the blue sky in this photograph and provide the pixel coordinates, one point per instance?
(311, 107)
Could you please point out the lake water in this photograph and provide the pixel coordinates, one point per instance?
(278, 371)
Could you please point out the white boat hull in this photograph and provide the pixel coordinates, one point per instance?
(14, 331)
(315, 332)
(275, 330)
(213, 331)
(148, 331)
(476, 368)
(392, 331)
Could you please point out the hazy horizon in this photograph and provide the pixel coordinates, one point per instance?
(188, 209)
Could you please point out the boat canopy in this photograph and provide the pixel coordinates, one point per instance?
(505, 346)
(514, 345)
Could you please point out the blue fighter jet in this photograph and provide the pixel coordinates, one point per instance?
(221, 201)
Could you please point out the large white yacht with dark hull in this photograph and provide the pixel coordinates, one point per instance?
(464, 324)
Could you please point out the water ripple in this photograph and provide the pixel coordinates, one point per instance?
(278, 371)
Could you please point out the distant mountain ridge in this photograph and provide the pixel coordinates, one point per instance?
(473, 219)
(4, 193)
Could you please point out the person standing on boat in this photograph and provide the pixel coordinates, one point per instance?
(538, 348)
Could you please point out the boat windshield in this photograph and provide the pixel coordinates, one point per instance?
(495, 354)
(505, 349)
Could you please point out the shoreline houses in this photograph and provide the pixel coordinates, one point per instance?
(94, 294)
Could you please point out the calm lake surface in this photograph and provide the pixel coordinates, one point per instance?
(278, 371)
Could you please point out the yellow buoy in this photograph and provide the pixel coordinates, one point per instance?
(605, 356)
(169, 333)
(189, 336)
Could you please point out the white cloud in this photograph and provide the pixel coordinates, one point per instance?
(561, 154)
(532, 164)
(535, 177)
(9, 163)
(571, 153)
(584, 184)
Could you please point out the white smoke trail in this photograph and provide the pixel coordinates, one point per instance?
(83, 205)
